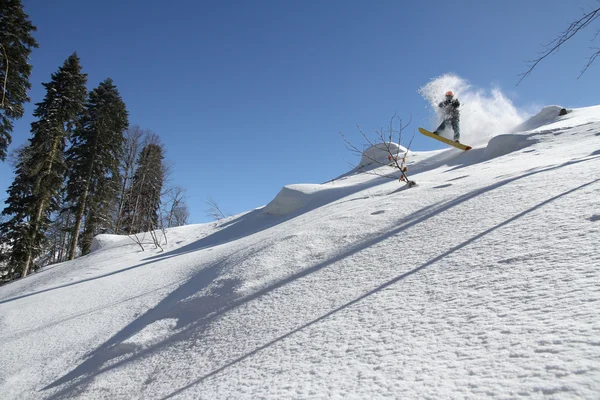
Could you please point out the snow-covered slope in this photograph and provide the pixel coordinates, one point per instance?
(482, 281)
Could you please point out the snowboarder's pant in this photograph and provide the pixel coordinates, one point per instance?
(454, 123)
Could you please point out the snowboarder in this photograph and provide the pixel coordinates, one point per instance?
(451, 115)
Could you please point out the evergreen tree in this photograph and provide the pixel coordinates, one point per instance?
(15, 229)
(39, 180)
(94, 159)
(143, 206)
(16, 44)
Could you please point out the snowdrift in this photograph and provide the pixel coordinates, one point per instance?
(105, 242)
(548, 115)
(291, 198)
(378, 154)
(505, 144)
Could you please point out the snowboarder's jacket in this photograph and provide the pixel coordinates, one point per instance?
(450, 108)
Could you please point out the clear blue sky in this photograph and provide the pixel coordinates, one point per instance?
(249, 96)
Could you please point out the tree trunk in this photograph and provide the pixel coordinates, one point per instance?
(121, 203)
(136, 209)
(77, 227)
(28, 260)
(40, 208)
(64, 235)
(82, 202)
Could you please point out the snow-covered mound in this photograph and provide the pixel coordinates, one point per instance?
(104, 241)
(291, 198)
(295, 198)
(480, 282)
(547, 116)
(504, 144)
(379, 153)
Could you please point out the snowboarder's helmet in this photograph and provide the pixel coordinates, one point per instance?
(449, 93)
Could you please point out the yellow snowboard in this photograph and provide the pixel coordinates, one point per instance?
(444, 140)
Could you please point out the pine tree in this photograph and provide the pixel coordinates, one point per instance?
(15, 230)
(16, 44)
(94, 159)
(143, 206)
(39, 180)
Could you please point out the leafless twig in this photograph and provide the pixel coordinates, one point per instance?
(137, 240)
(156, 239)
(214, 211)
(554, 45)
(590, 61)
(394, 158)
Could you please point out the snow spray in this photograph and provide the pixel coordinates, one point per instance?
(483, 113)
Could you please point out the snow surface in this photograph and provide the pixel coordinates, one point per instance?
(482, 281)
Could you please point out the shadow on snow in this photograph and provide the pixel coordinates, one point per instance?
(195, 316)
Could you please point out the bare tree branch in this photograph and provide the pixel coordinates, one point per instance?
(133, 138)
(214, 211)
(137, 240)
(394, 158)
(590, 61)
(176, 212)
(554, 46)
(156, 240)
